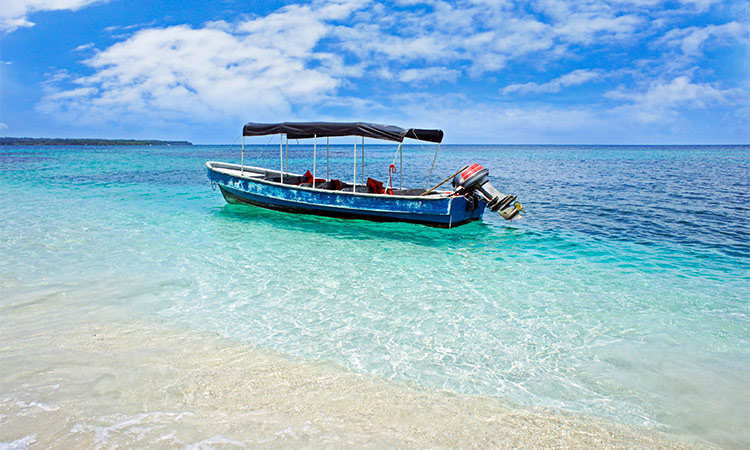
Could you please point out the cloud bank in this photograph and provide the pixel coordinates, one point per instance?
(337, 59)
(14, 13)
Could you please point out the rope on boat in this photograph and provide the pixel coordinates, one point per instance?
(442, 182)
(391, 170)
(433, 165)
(401, 166)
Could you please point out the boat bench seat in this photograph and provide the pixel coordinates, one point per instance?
(338, 185)
(331, 185)
(288, 179)
(410, 192)
(360, 189)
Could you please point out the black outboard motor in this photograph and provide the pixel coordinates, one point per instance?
(475, 179)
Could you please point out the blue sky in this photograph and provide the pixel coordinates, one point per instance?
(505, 72)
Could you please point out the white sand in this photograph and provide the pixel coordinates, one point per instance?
(72, 378)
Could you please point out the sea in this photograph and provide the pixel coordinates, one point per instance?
(139, 309)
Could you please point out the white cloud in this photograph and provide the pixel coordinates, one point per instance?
(293, 31)
(83, 47)
(14, 13)
(586, 27)
(647, 117)
(428, 75)
(115, 28)
(691, 41)
(700, 5)
(587, 21)
(261, 67)
(488, 122)
(371, 41)
(573, 78)
(486, 35)
(3, 126)
(662, 99)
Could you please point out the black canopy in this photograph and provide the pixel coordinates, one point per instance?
(303, 130)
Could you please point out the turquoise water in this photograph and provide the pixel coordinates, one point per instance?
(622, 294)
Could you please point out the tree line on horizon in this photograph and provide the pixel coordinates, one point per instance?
(74, 141)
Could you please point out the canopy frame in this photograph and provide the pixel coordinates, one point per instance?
(314, 130)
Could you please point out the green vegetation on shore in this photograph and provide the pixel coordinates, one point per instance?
(59, 141)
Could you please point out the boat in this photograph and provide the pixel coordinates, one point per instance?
(370, 199)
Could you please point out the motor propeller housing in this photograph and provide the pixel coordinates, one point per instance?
(475, 179)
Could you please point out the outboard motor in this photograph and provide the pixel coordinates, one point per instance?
(475, 180)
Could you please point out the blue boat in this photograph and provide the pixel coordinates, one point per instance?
(371, 200)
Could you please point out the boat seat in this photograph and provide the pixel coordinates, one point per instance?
(375, 186)
(308, 178)
(318, 185)
(332, 185)
(409, 192)
(288, 179)
(360, 189)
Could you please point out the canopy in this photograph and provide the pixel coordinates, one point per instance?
(303, 130)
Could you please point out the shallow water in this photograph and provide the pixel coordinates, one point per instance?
(621, 296)
(103, 381)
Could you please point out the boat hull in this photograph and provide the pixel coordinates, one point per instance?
(438, 211)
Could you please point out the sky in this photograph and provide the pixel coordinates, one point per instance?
(484, 71)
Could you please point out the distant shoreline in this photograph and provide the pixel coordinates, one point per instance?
(65, 141)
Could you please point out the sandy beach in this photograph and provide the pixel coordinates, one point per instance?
(75, 378)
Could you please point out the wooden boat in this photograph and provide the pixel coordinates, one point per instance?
(370, 200)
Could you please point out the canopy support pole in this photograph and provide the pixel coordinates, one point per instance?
(363, 160)
(281, 156)
(328, 160)
(242, 160)
(287, 153)
(354, 180)
(315, 155)
(433, 166)
(401, 168)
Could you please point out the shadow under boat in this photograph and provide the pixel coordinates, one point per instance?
(477, 233)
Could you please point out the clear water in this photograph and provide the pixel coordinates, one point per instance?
(623, 293)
